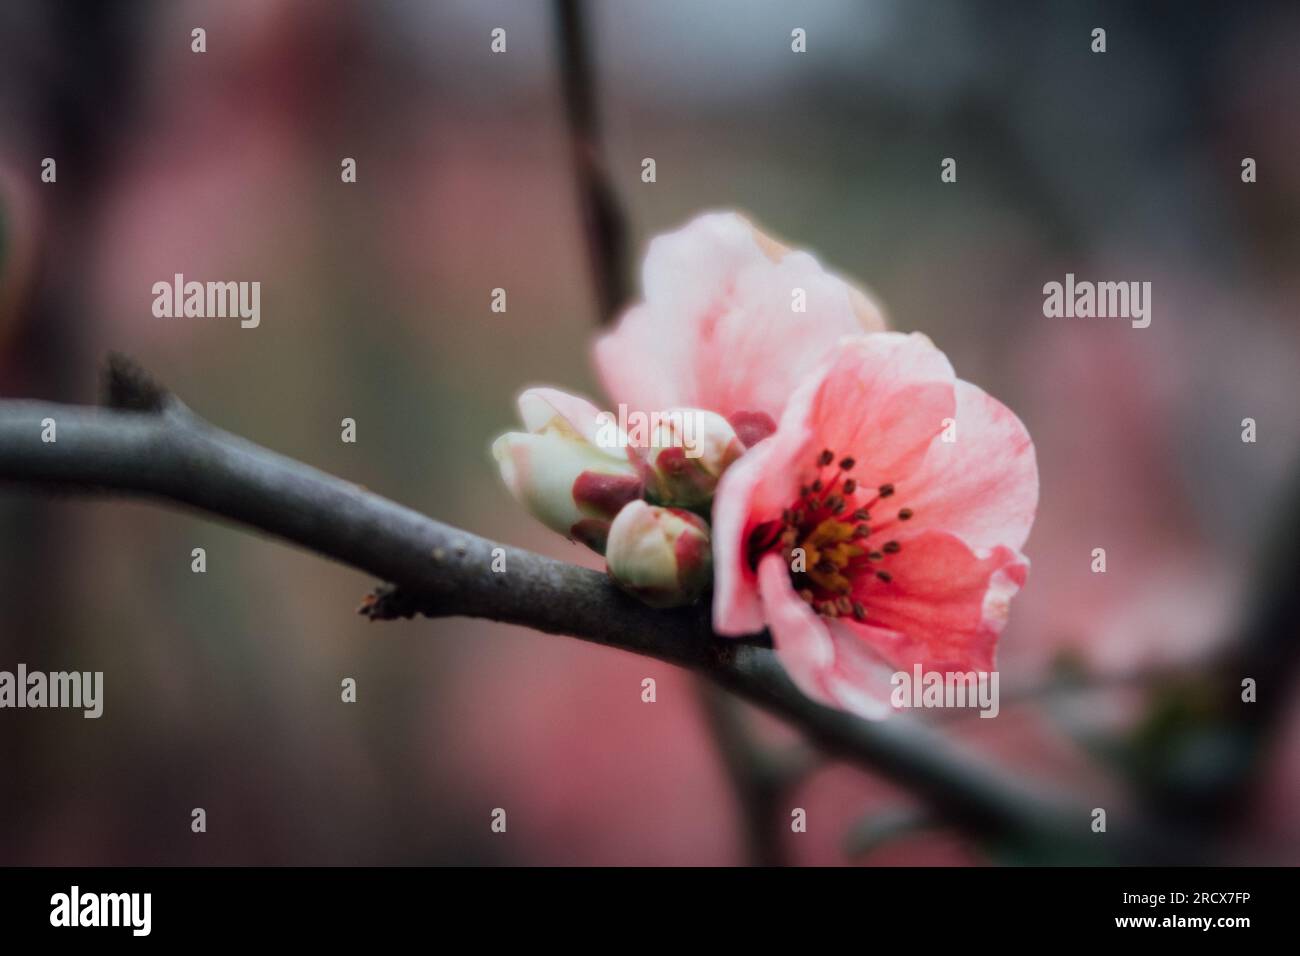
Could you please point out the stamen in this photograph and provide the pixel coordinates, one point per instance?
(836, 539)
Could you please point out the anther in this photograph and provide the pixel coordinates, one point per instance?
(886, 490)
(859, 612)
(826, 457)
(885, 576)
(892, 547)
(905, 514)
(850, 486)
(846, 464)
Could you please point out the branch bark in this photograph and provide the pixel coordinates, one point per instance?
(157, 448)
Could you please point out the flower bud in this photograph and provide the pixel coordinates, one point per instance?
(558, 473)
(661, 555)
(684, 454)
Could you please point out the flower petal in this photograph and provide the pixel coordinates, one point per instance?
(825, 659)
(737, 609)
(798, 632)
(945, 604)
(984, 485)
(881, 401)
(718, 328)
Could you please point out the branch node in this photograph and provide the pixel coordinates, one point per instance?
(129, 387)
(388, 602)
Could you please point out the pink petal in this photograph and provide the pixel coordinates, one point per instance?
(825, 660)
(860, 680)
(945, 604)
(983, 486)
(882, 401)
(798, 632)
(717, 329)
(736, 606)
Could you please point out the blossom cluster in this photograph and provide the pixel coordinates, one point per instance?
(818, 475)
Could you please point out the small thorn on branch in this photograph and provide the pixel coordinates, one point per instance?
(129, 387)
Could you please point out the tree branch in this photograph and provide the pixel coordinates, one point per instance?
(602, 218)
(171, 454)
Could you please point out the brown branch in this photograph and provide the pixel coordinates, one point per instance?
(172, 455)
(602, 218)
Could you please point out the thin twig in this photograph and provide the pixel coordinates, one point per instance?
(602, 218)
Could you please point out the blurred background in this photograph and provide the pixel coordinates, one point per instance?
(222, 689)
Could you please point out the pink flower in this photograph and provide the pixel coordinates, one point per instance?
(864, 541)
(732, 322)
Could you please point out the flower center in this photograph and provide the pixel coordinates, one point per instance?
(827, 539)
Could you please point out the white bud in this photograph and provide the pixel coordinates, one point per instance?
(661, 555)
